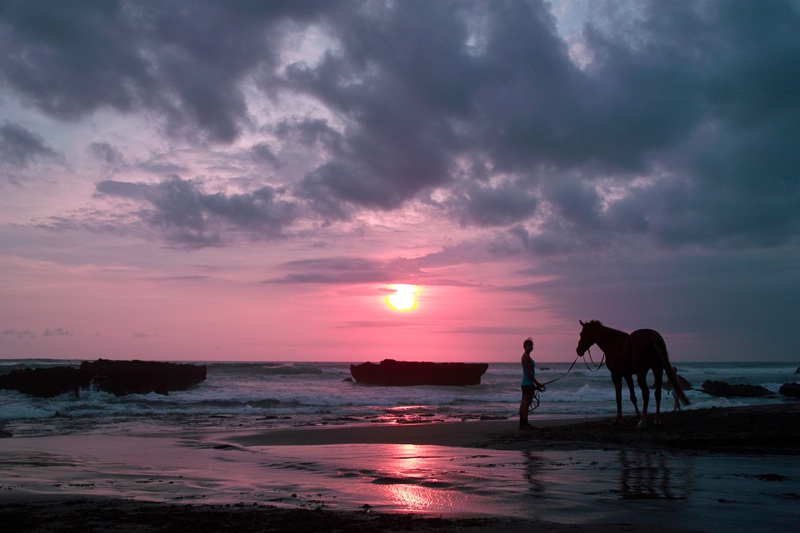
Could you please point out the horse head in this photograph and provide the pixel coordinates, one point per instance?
(589, 333)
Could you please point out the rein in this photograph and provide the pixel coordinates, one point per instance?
(596, 367)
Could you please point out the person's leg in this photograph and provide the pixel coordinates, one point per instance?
(523, 409)
(524, 406)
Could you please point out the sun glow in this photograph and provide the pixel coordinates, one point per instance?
(404, 297)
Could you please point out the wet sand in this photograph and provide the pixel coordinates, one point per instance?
(706, 470)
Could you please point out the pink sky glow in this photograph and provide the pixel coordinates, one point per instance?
(209, 180)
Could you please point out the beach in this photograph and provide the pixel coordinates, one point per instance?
(720, 469)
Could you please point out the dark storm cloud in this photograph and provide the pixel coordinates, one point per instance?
(699, 97)
(262, 153)
(478, 204)
(677, 127)
(19, 147)
(718, 80)
(392, 84)
(181, 60)
(105, 153)
(191, 218)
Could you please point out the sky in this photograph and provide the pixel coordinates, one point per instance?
(239, 180)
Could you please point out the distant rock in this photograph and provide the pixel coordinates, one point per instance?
(790, 390)
(797, 371)
(725, 390)
(45, 382)
(116, 377)
(406, 373)
(141, 377)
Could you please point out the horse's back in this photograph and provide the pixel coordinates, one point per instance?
(643, 345)
(645, 336)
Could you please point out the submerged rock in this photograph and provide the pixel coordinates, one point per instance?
(116, 377)
(725, 390)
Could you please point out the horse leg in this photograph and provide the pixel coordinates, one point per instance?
(632, 391)
(657, 385)
(617, 380)
(641, 377)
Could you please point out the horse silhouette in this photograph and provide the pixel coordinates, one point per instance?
(629, 354)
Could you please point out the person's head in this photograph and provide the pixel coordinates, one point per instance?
(527, 344)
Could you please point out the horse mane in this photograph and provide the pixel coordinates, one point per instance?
(600, 324)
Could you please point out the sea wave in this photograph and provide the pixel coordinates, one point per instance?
(284, 394)
(268, 369)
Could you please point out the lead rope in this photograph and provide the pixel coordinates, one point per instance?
(536, 400)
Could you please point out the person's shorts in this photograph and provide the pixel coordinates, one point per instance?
(528, 390)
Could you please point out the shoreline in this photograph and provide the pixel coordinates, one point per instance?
(767, 429)
(464, 434)
(102, 514)
(706, 463)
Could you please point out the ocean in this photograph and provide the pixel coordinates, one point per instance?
(263, 395)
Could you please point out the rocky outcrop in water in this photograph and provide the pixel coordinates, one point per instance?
(45, 382)
(403, 373)
(790, 390)
(725, 390)
(116, 377)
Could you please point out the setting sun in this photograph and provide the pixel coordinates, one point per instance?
(404, 297)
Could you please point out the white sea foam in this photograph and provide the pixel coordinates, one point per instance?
(294, 394)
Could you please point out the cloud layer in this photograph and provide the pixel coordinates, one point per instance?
(645, 131)
(680, 118)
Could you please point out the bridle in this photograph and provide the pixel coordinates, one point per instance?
(596, 366)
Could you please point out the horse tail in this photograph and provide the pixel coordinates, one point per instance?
(661, 348)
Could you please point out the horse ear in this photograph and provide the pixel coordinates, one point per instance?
(581, 321)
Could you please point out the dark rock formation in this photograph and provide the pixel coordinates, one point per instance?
(797, 371)
(116, 377)
(791, 390)
(140, 377)
(45, 382)
(725, 390)
(401, 373)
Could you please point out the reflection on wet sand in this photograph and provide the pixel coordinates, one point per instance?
(533, 471)
(409, 480)
(642, 475)
(648, 475)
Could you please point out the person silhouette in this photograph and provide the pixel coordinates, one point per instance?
(529, 384)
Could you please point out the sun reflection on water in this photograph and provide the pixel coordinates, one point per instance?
(411, 484)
